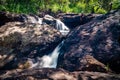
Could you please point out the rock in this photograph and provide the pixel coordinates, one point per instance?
(88, 63)
(31, 19)
(18, 41)
(98, 38)
(56, 74)
(49, 20)
(9, 17)
(6, 17)
(74, 20)
(85, 75)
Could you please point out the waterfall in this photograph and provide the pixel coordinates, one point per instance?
(62, 27)
(47, 61)
(50, 60)
(32, 19)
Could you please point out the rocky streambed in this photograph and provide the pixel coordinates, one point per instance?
(90, 51)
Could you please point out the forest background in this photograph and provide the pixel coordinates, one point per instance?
(67, 6)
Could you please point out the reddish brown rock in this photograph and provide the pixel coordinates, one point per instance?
(89, 63)
(56, 74)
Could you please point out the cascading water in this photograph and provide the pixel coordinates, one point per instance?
(62, 27)
(50, 60)
(31, 19)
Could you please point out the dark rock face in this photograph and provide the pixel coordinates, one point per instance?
(56, 74)
(73, 20)
(98, 38)
(9, 17)
(19, 41)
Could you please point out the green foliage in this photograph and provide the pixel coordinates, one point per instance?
(76, 6)
(116, 4)
(108, 67)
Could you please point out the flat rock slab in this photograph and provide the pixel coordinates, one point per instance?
(56, 74)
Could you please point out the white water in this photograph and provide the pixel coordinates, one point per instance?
(32, 19)
(62, 27)
(50, 61)
(47, 61)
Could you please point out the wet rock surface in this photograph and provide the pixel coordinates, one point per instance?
(98, 38)
(19, 41)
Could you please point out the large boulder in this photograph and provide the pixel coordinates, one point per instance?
(99, 38)
(19, 41)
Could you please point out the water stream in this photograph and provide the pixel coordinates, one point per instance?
(50, 60)
(62, 27)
